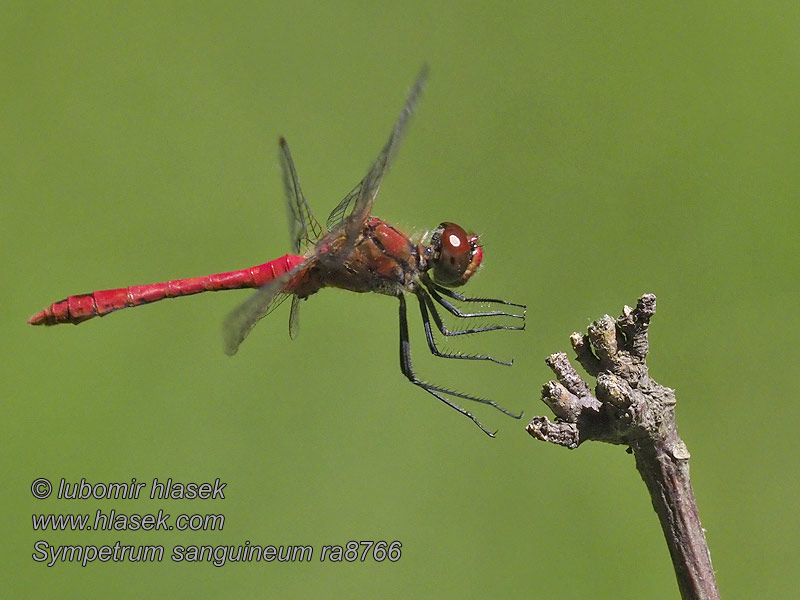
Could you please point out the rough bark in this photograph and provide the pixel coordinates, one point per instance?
(629, 408)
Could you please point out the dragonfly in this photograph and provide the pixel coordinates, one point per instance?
(356, 252)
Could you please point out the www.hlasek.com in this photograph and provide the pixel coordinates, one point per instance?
(218, 555)
(116, 521)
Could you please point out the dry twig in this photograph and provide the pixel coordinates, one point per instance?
(631, 409)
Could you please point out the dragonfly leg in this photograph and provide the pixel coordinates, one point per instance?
(436, 292)
(453, 294)
(426, 304)
(436, 391)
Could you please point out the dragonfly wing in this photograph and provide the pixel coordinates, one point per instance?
(304, 229)
(264, 300)
(294, 318)
(339, 214)
(356, 206)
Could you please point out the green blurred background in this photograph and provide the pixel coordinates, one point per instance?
(603, 150)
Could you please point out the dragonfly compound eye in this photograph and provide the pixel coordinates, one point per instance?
(457, 257)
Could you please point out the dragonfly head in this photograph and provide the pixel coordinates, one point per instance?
(456, 255)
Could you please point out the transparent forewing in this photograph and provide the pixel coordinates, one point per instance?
(304, 229)
(339, 214)
(240, 322)
(357, 205)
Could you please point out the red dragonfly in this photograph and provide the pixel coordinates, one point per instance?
(358, 252)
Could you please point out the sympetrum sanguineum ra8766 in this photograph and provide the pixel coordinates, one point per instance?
(358, 252)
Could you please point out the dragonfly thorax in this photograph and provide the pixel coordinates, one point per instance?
(453, 255)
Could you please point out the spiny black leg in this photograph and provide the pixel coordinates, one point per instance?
(450, 332)
(426, 303)
(434, 290)
(408, 371)
(461, 297)
(435, 388)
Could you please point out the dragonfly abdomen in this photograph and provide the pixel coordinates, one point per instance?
(77, 309)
